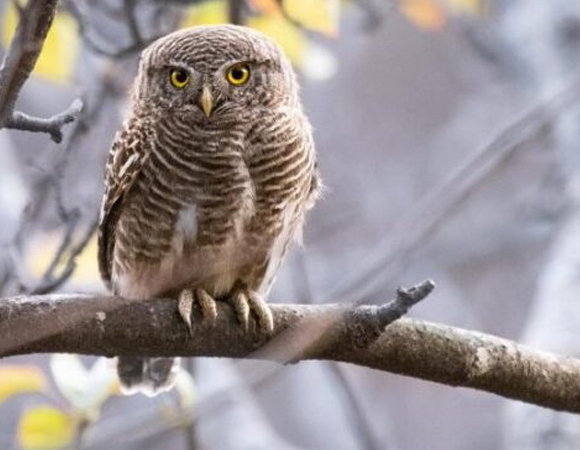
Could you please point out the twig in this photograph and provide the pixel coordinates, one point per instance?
(97, 45)
(108, 326)
(132, 24)
(35, 20)
(51, 283)
(51, 125)
(362, 428)
(390, 256)
(189, 428)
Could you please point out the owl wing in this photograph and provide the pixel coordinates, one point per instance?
(128, 153)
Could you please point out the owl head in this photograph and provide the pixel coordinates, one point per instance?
(213, 72)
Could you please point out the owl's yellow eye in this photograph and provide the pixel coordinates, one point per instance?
(238, 74)
(178, 78)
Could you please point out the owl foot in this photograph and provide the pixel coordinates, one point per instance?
(203, 299)
(243, 301)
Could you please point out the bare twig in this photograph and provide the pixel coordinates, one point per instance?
(236, 11)
(108, 326)
(96, 44)
(51, 125)
(362, 428)
(35, 19)
(132, 24)
(50, 282)
(389, 257)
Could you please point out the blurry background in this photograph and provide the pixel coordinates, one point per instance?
(447, 134)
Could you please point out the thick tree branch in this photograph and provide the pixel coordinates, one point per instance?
(109, 326)
(35, 20)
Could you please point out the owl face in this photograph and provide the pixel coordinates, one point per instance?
(214, 72)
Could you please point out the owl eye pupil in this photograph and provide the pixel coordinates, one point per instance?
(238, 74)
(180, 76)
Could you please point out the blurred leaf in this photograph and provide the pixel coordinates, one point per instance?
(43, 247)
(318, 62)
(290, 38)
(268, 7)
(425, 14)
(185, 387)
(86, 390)
(472, 7)
(45, 428)
(318, 15)
(57, 59)
(211, 12)
(20, 379)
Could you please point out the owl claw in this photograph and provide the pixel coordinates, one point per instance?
(261, 309)
(205, 302)
(245, 301)
(239, 302)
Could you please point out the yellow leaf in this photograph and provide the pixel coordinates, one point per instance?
(472, 7)
(45, 428)
(268, 7)
(425, 14)
(290, 38)
(211, 12)
(59, 53)
(20, 379)
(318, 15)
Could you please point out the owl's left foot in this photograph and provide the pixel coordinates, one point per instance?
(205, 301)
(244, 301)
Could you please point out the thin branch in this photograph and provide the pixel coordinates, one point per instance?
(236, 11)
(132, 23)
(390, 255)
(361, 427)
(35, 19)
(50, 282)
(108, 326)
(97, 44)
(51, 125)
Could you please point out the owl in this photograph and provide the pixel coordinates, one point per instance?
(207, 183)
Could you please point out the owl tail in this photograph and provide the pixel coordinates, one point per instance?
(150, 376)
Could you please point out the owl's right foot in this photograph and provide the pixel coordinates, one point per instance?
(244, 301)
(205, 301)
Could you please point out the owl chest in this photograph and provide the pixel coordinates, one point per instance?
(205, 222)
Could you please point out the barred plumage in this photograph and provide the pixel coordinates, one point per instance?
(204, 205)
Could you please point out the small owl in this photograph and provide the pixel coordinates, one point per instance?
(207, 183)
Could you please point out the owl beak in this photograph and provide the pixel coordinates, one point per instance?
(206, 101)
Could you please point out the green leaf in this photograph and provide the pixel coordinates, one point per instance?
(45, 428)
(20, 379)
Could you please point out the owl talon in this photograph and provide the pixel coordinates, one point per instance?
(261, 309)
(205, 302)
(245, 301)
(239, 302)
(185, 307)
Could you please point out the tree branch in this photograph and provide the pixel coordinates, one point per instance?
(51, 125)
(109, 326)
(35, 20)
